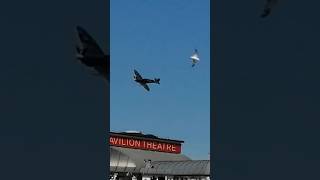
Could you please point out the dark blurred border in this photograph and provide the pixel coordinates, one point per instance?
(107, 119)
(213, 77)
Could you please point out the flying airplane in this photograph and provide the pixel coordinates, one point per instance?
(195, 57)
(268, 7)
(90, 54)
(143, 82)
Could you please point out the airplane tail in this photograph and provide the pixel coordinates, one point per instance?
(157, 80)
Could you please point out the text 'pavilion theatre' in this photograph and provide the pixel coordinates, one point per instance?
(134, 155)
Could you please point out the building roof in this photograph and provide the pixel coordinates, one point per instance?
(132, 160)
(140, 135)
(182, 168)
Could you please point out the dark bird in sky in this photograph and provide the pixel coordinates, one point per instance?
(143, 82)
(268, 8)
(91, 55)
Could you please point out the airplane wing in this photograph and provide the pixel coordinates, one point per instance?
(89, 45)
(146, 87)
(195, 56)
(138, 76)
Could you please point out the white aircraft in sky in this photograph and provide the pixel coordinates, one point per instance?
(195, 57)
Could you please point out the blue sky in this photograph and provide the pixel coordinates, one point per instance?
(157, 38)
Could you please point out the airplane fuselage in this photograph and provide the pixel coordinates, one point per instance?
(145, 81)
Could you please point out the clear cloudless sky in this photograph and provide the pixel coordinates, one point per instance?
(157, 38)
